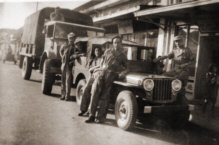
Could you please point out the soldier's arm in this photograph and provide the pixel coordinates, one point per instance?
(61, 51)
(169, 56)
(124, 67)
(191, 59)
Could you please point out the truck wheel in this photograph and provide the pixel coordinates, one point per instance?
(48, 78)
(179, 119)
(80, 91)
(26, 68)
(21, 61)
(126, 110)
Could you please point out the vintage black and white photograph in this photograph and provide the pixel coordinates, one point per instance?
(109, 72)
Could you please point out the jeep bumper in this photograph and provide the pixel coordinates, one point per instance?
(155, 109)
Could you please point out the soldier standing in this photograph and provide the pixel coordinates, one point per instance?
(68, 55)
(113, 63)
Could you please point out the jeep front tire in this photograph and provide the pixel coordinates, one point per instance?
(126, 110)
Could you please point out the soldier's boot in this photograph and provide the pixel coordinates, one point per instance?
(101, 115)
(91, 119)
(81, 113)
(62, 95)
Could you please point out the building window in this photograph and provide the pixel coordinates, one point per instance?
(148, 38)
(112, 29)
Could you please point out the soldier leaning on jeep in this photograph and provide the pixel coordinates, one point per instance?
(68, 54)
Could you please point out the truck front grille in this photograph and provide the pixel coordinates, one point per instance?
(162, 90)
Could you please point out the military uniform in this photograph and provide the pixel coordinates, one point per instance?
(182, 61)
(66, 68)
(87, 95)
(114, 62)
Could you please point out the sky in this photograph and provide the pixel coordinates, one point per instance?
(14, 12)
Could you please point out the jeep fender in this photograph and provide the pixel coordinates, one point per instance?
(78, 77)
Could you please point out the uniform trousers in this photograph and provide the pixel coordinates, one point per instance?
(85, 102)
(66, 82)
(100, 91)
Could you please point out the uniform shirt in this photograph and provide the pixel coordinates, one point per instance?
(95, 62)
(181, 57)
(66, 51)
(114, 61)
(211, 78)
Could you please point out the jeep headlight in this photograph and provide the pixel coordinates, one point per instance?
(148, 84)
(176, 85)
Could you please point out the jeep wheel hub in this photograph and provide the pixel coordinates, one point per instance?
(123, 111)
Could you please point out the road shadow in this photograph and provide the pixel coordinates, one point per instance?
(71, 99)
(36, 81)
(55, 95)
(159, 129)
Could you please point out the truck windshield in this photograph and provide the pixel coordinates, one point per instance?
(62, 30)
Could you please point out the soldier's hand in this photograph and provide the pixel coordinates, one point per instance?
(91, 70)
(74, 56)
(155, 60)
(82, 54)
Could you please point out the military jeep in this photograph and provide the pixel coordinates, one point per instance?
(141, 91)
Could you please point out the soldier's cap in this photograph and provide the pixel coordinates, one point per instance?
(117, 37)
(178, 38)
(71, 35)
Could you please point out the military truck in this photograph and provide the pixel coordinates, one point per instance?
(42, 40)
(142, 92)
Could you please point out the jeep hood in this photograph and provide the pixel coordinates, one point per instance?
(138, 78)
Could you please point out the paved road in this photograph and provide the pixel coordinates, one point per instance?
(29, 118)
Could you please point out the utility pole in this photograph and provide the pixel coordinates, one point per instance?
(36, 6)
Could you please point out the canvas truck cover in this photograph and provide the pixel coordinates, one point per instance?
(34, 24)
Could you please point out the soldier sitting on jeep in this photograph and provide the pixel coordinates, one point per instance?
(93, 63)
(113, 63)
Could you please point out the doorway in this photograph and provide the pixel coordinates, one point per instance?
(208, 54)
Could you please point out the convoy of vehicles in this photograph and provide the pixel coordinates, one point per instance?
(9, 44)
(142, 91)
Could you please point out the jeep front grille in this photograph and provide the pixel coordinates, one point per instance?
(162, 90)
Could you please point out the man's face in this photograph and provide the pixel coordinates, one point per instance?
(179, 43)
(71, 40)
(116, 43)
